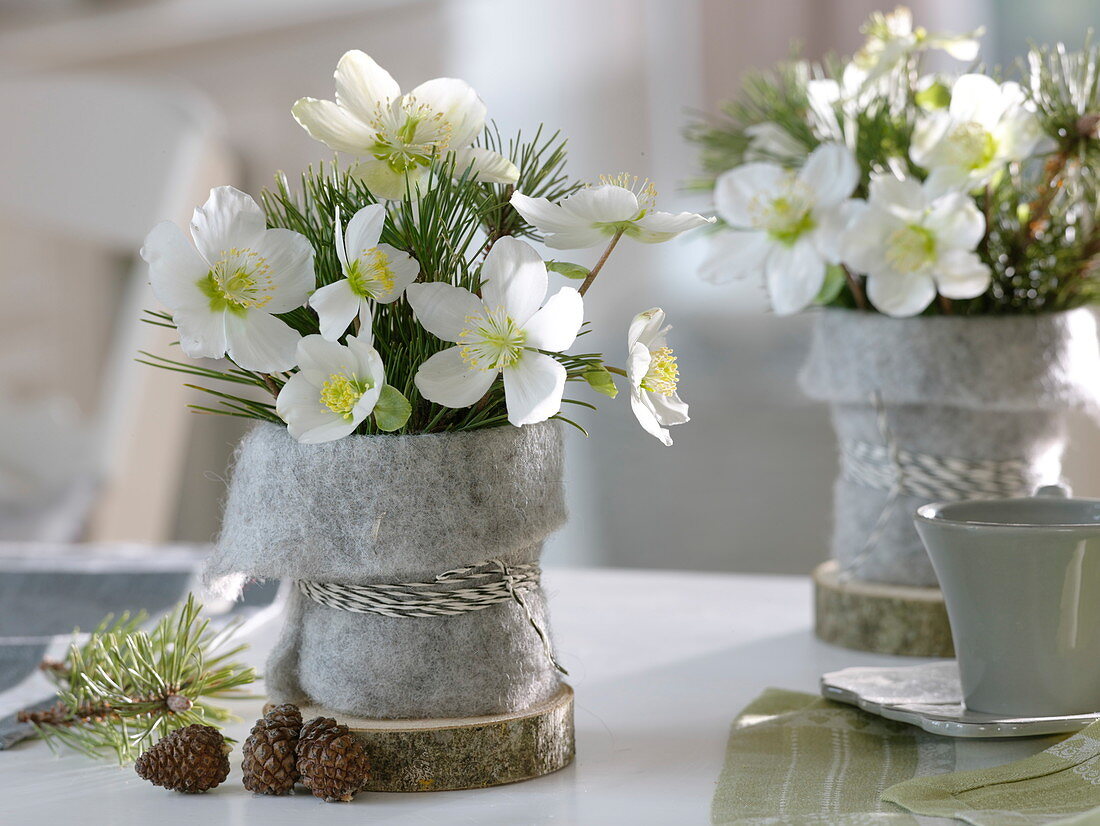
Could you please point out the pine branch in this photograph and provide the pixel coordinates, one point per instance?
(126, 687)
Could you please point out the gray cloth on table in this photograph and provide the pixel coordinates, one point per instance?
(978, 388)
(397, 509)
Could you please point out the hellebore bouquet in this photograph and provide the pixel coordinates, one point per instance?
(873, 183)
(399, 293)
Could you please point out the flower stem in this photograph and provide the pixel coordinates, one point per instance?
(618, 371)
(946, 305)
(272, 388)
(599, 264)
(856, 288)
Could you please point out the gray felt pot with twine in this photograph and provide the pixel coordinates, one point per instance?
(938, 408)
(416, 561)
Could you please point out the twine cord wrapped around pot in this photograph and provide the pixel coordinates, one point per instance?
(902, 472)
(981, 398)
(486, 584)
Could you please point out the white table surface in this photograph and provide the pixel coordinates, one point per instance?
(661, 663)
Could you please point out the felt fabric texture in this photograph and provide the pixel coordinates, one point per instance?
(393, 509)
(988, 387)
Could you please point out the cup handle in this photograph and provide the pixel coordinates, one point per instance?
(1056, 491)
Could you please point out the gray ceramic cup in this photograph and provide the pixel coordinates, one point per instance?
(1021, 579)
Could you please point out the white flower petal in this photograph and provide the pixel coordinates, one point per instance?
(316, 354)
(831, 172)
(443, 310)
(448, 380)
(833, 227)
(229, 218)
(961, 274)
(175, 268)
(333, 125)
(308, 420)
(670, 410)
(645, 328)
(656, 227)
(578, 239)
(201, 333)
(459, 104)
(901, 196)
(362, 85)
(638, 362)
(289, 257)
(386, 183)
(956, 222)
(735, 254)
(556, 325)
(404, 269)
(647, 418)
(976, 98)
(533, 388)
(368, 365)
(602, 204)
(545, 216)
(258, 341)
(794, 275)
(514, 277)
(336, 305)
(487, 166)
(735, 190)
(901, 295)
(928, 135)
(364, 230)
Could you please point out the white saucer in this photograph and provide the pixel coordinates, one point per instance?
(930, 696)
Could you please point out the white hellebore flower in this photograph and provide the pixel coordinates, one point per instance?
(911, 242)
(891, 39)
(501, 332)
(986, 126)
(398, 135)
(223, 294)
(372, 272)
(784, 224)
(653, 375)
(616, 205)
(336, 387)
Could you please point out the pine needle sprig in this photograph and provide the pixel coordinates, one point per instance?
(125, 688)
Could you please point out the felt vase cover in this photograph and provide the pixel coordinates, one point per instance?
(389, 510)
(975, 388)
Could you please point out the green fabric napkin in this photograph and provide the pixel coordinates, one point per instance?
(1063, 780)
(797, 759)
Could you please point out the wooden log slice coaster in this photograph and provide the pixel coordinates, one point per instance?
(886, 619)
(435, 755)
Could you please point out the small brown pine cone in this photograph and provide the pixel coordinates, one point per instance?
(331, 760)
(270, 752)
(190, 760)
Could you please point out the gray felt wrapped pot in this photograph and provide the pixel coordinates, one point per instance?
(984, 390)
(398, 509)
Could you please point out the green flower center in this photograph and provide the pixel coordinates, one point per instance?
(663, 374)
(409, 134)
(491, 341)
(910, 249)
(370, 274)
(238, 282)
(785, 217)
(971, 146)
(341, 392)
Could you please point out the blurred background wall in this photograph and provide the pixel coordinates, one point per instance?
(747, 486)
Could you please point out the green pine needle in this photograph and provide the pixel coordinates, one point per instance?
(125, 688)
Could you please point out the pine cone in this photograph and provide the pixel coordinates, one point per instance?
(270, 752)
(189, 760)
(331, 760)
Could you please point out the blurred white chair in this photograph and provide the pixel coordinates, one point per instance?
(91, 442)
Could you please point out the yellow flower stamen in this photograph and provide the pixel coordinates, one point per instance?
(239, 281)
(663, 374)
(491, 341)
(911, 248)
(370, 274)
(642, 188)
(340, 393)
